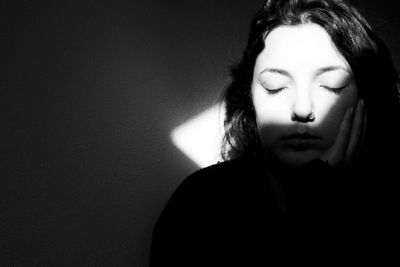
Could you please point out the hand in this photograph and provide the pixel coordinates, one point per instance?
(350, 138)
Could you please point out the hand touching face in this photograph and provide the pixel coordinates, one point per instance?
(349, 139)
(302, 87)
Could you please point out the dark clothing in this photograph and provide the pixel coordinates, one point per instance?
(227, 214)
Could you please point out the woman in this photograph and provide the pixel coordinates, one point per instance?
(311, 116)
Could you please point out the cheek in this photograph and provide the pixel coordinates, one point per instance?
(270, 110)
(272, 115)
(332, 112)
(331, 125)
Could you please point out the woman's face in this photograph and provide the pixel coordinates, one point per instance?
(301, 89)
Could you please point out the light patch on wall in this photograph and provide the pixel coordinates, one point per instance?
(200, 137)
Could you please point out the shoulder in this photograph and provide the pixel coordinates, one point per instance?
(204, 210)
(225, 174)
(216, 185)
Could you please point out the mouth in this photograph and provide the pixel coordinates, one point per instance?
(301, 142)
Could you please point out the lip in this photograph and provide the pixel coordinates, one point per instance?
(300, 142)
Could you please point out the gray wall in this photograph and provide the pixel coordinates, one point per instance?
(90, 92)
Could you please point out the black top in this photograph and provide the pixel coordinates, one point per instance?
(228, 214)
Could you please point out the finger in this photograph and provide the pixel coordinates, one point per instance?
(364, 132)
(340, 145)
(356, 132)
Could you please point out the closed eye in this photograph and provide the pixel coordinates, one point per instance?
(335, 90)
(273, 91)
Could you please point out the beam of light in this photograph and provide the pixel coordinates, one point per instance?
(200, 137)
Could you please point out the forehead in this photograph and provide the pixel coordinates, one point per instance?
(302, 47)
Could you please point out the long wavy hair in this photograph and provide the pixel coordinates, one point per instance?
(366, 53)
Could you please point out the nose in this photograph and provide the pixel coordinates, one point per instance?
(302, 110)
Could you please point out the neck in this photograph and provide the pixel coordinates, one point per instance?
(275, 173)
(277, 169)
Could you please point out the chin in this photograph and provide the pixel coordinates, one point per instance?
(297, 158)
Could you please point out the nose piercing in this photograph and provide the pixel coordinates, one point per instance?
(307, 118)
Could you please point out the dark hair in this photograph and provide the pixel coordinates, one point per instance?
(367, 55)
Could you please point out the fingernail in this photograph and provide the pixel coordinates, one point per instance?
(351, 111)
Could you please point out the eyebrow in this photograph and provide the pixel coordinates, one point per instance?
(318, 72)
(331, 68)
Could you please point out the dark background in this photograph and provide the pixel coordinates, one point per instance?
(90, 91)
